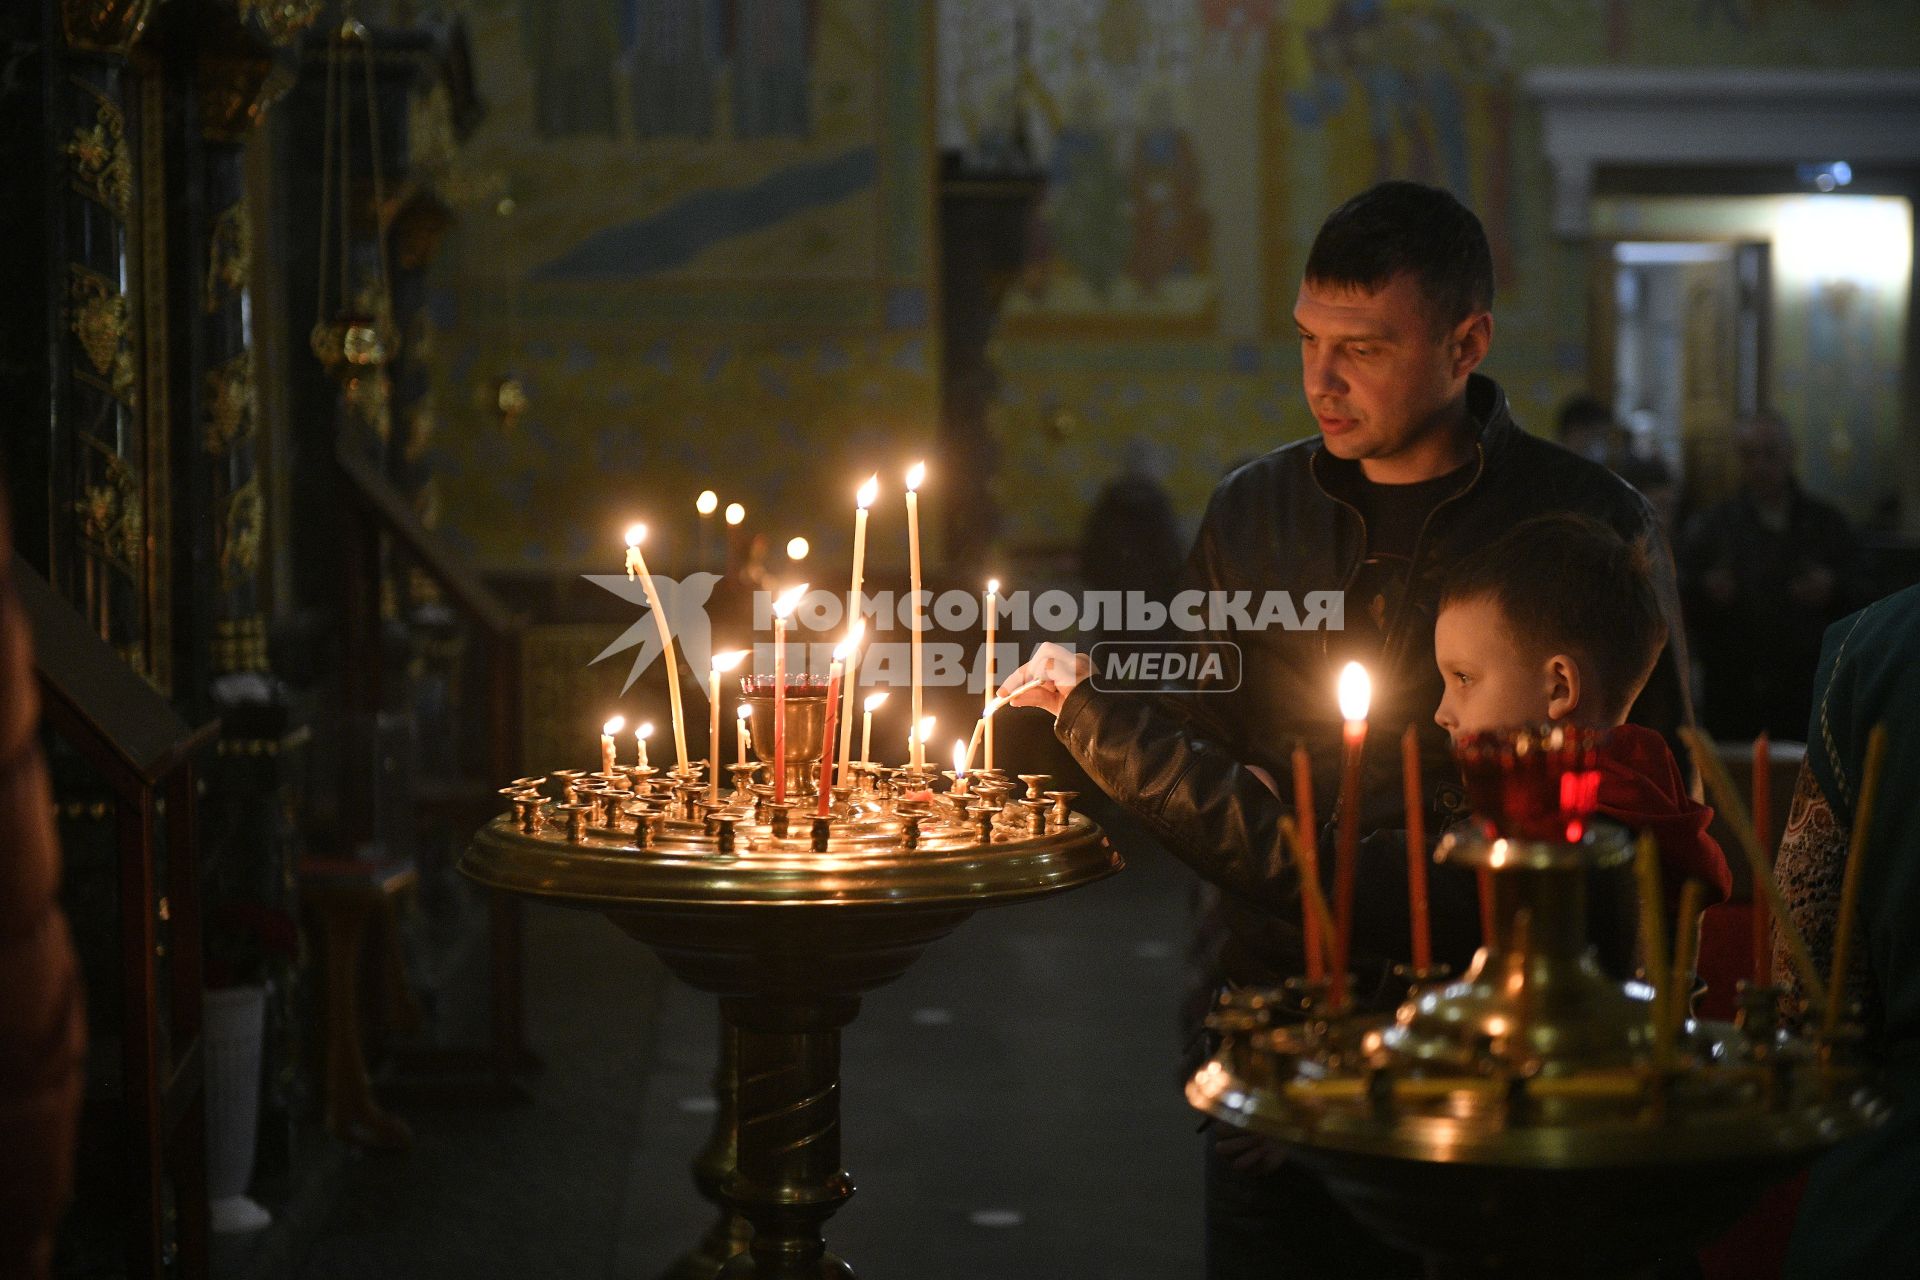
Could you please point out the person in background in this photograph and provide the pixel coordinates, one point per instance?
(1588, 427)
(43, 1030)
(1762, 576)
(1863, 1197)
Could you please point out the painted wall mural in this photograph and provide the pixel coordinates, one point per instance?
(700, 255)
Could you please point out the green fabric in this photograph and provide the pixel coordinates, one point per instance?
(1863, 1198)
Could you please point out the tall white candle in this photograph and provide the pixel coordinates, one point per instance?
(866, 729)
(986, 690)
(722, 663)
(636, 534)
(740, 731)
(861, 500)
(915, 474)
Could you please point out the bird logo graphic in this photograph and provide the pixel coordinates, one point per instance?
(684, 601)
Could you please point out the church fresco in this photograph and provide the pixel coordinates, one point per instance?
(705, 244)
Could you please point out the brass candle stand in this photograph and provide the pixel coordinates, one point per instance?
(1532, 1117)
(788, 918)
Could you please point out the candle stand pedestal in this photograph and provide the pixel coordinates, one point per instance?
(788, 937)
(1526, 1119)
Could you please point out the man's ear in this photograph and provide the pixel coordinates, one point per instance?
(1562, 676)
(1471, 340)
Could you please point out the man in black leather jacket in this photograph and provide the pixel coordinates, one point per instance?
(1417, 461)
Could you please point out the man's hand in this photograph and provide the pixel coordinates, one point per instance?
(1057, 669)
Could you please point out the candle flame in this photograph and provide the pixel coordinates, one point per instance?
(926, 729)
(1356, 692)
(875, 701)
(636, 534)
(915, 474)
(993, 586)
(783, 607)
(706, 503)
(959, 757)
(724, 662)
(797, 548)
(735, 513)
(745, 712)
(844, 650)
(645, 730)
(868, 492)
(614, 725)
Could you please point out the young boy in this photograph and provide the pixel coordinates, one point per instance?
(1557, 621)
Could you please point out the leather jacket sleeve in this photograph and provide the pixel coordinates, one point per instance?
(1221, 820)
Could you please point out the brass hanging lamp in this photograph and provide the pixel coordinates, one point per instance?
(353, 332)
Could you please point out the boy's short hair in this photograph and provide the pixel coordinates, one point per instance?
(1566, 583)
(1400, 227)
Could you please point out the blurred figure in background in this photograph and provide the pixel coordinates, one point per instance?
(43, 1031)
(1762, 576)
(1588, 427)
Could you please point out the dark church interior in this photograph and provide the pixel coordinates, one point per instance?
(959, 639)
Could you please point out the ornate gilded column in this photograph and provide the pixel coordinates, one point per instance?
(107, 466)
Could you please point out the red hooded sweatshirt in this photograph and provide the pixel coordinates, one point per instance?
(1641, 788)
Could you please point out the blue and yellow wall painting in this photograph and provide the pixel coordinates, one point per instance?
(713, 266)
(705, 250)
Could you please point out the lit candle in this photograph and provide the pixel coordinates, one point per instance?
(797, 548)
(962, 753)
(735, 513)
(872, 704)
(740, 730)
(917, 741)
(1309, 852)
(608, 756)
(636, 534)
(1416, 850)
(722, 663)
(1763, 832)
(841, 653)
(1355, 692)
(983, 724)
(862, 499)
(640, 737)
(986, 717)
(782, 609)
(915, 474)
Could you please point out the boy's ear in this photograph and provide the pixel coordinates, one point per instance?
(1562, 676)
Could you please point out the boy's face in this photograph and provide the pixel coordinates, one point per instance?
(1490, 684)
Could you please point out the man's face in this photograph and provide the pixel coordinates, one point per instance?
(1381, 376)
(1490, 684)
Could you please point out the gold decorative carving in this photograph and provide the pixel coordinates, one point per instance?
(229, 253)
(280, 20)
(102, 161)
(240, 534)
(230, 402)
(240, 644)
(102, 320)
(104, 26)
(109, 510)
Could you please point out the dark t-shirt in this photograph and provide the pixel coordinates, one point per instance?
(1395, 514)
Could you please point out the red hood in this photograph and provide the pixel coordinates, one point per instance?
(1641, 788)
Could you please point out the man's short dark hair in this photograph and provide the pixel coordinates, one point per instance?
(1566, 583)
(1406, 227)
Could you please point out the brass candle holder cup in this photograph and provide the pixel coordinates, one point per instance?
(806, 727)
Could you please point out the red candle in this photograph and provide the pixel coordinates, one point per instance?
(1309, 849)
(841, 653)
(1763, 835)
(1416, 850)
(1356, 692)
